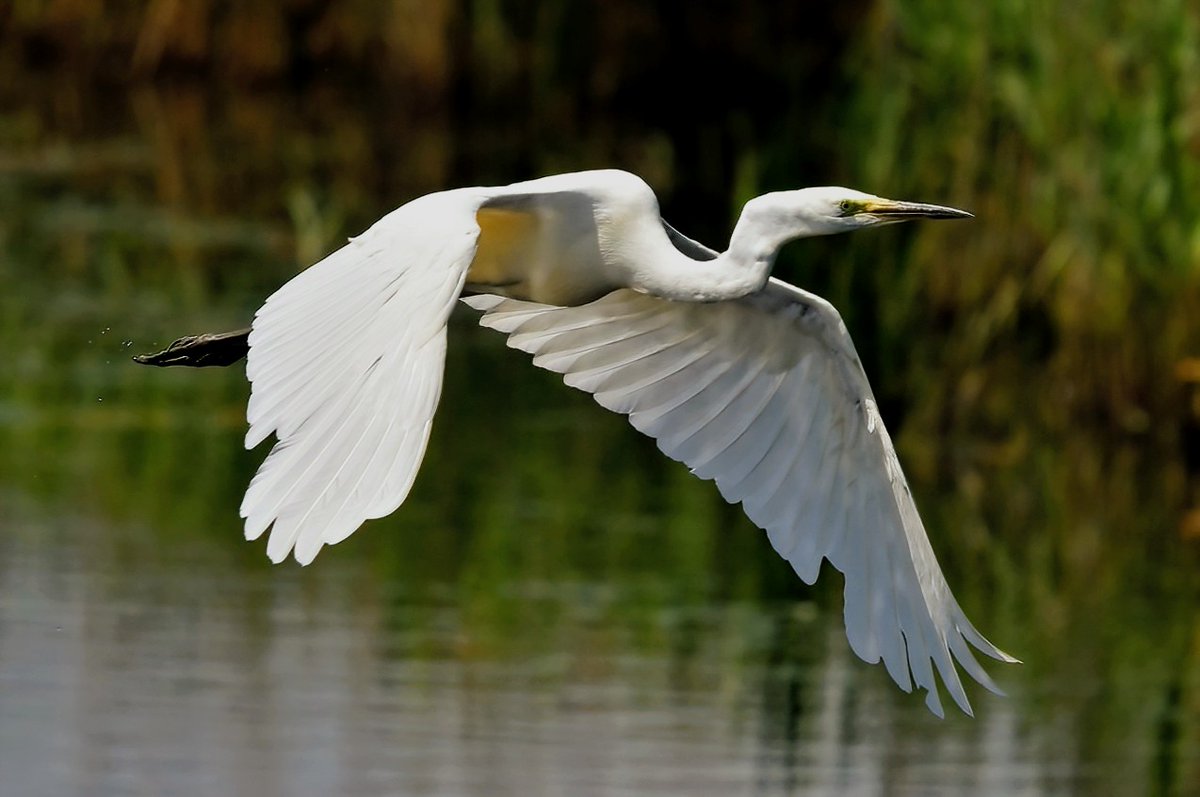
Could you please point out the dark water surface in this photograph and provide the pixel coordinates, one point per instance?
(557, 609)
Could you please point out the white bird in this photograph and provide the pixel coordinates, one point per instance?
(751, 382)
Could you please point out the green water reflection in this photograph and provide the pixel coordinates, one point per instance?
(554, 591)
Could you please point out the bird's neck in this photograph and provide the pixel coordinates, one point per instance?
(744, 267)
(766, 224)
(674, 275)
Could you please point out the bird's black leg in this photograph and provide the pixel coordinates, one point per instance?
(199, 351)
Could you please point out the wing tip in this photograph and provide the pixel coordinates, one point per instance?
(1005, 657)
(482, 301)
(933, 702)
(255, 435)
(305, 552)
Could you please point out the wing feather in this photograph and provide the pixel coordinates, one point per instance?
(767, 397)
(709, 421)
(639, 386)
(345, 366)
(761, 485)
(735, 462)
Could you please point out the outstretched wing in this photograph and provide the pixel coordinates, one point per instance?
(767, 397)
(345, 365)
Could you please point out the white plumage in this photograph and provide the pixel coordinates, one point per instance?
(345, 365)
(751, 382)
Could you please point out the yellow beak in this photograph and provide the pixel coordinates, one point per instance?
(899, 211)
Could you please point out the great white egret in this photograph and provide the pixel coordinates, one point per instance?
(751, 382)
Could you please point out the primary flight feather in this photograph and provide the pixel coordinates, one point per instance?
(751, 382)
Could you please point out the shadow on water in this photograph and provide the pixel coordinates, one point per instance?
(556, 609)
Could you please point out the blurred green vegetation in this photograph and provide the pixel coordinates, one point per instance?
(164, 166)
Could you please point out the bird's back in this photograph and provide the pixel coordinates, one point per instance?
(565, 239)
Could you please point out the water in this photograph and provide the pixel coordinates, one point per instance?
(185, 677)
(556, 610)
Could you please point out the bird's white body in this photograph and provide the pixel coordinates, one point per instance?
(570, 238)
(751, 382)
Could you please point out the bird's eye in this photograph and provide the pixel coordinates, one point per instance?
(845, 206)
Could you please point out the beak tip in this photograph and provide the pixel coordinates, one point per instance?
(942, 212)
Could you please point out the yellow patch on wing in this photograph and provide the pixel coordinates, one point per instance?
(504, 252)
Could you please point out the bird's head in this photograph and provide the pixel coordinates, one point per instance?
(847, 209)
(832, 209)
(771, 220)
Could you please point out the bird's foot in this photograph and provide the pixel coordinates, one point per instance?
(200, 351)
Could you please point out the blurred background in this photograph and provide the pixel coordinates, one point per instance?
(557, 609)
